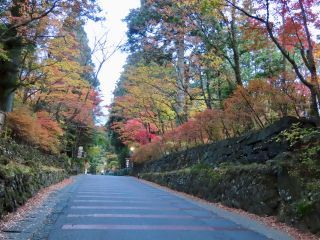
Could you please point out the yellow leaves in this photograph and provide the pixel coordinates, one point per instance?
(65, 47)
(3, 53)
(150, 94)
(63, 88)
(212, 60)
(151, 83)
(205, 6)
(196, 107)
(208, 6)
(63, 71)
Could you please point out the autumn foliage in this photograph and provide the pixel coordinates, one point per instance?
(134, 131)
(51, 77)
(36, 129)
(202, 71)
(248, 108)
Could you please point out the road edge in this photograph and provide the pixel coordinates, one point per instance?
(36, 218)
(244, 221)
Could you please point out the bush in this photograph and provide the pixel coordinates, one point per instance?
(35, 129)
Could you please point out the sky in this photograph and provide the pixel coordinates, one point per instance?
(114, 11)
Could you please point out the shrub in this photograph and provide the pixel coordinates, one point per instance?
(35, 129)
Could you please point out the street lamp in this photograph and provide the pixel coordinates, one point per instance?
(129, 162)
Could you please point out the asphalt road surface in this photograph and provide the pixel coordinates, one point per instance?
(124, 208)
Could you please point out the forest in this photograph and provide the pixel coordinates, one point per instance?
(200, 71)
(219, 99)
(49, 88)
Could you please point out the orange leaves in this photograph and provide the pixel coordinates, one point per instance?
(46, 122)
(23, 124)
(288, 20)
(211, 125)
(262, 102)
(250, 107)
(317, 52)
(254, 35)
(148, 152)
(38, 130)
(48, 132)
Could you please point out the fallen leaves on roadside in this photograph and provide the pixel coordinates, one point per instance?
(11, 219)
(271, 221)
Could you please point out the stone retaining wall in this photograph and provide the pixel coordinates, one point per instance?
(254, 147)
(18, 183)
(258, 172)
(268, 190)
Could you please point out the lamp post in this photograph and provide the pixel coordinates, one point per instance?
(129, 163)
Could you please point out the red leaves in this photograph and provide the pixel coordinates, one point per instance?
(189, 132)
(289, 20)
(267, 40)
(251, 107)
(134, 131)
(39, 130)
(204, 127)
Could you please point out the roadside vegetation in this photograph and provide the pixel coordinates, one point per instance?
(202, 71)
(49, 88)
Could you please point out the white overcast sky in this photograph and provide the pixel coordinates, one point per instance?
(115, 11)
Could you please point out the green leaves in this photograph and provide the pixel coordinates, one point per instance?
(296, 133)
(3, 53)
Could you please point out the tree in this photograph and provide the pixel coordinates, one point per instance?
(288, 25)
(230, 63)
(58, 80)
(159, 29)
(144, 99)
(24, 24)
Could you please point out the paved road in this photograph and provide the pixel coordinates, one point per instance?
(123, 208)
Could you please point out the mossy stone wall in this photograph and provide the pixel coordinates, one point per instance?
(18, 183)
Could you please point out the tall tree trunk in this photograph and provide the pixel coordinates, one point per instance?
(235, 47)
(284, 66)
(205, 88)
(315, 101)
(9, 74)
(181, 80)
(311, 64)
(6, 99)
(9, 68)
